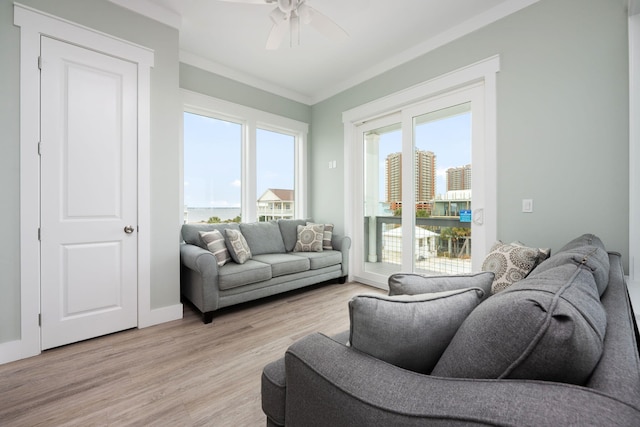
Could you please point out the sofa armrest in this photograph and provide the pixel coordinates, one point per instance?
(199, 277)
(328, 383)
(342, 244)
(198, 259)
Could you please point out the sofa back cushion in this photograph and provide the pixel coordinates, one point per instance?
(289, 231)
(191, 232)
(550, 326)
(409, 331)
(263, 237)
(413, 284)
(588, 250)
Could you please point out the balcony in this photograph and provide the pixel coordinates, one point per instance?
(442, 245)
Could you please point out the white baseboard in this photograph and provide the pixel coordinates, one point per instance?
(11, 351)
(160, 315)
(15, 350)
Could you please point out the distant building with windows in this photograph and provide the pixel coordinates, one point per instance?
(425, 179)
(459, 178)
(452, 203)
(276, 204)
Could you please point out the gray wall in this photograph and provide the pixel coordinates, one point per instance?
(562, 136)
(198, 80)
(165, 136)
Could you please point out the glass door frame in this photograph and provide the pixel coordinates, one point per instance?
(475, 83)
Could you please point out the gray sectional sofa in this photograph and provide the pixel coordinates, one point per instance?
(557, 348)
(272, 261)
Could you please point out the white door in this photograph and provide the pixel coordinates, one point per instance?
(88, 193)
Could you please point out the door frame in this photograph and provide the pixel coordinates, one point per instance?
(484, 73)
(33, 24)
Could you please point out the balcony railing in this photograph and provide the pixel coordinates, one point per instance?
(266, 214)
(437, 249)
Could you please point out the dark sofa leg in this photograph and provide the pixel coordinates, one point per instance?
(342, 280)
(207, 317)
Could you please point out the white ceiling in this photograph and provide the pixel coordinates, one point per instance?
(229, 39)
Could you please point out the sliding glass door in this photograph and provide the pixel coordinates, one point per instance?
(382, 153)
(442, 182)
(419, 203)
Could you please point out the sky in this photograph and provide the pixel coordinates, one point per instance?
(212, 157)
(448, 138)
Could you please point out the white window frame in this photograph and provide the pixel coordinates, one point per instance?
(251, 120)
(483, 73)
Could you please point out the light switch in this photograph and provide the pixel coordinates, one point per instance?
(527, 205)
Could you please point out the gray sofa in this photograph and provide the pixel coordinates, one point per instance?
(558, 348)
(275, 263)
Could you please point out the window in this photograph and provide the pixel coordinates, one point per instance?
(212, 190)
(241, 164)
(275, 175)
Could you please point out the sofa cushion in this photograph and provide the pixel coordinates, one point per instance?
(586, 249)
(238, 247)
(318, 260)
(191, 232)
(282, 264)
(409, 331)
(263, 237)
(327, 236)
(550, 326)
(233, 275)
(309, 238)
(216, 244)
(289, 231)
(412, 284)
(510, 263)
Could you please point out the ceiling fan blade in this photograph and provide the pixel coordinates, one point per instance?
(322, 23)
(276, 35)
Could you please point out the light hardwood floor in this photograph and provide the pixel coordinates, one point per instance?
(180, 373)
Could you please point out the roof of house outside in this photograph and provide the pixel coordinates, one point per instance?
(276, 194)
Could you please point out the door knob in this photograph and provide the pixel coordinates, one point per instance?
(128, 229)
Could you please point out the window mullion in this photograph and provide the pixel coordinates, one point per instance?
(249, 176)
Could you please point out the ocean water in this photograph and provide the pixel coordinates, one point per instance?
(203, 214)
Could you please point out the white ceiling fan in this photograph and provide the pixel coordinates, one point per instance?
(287, 16)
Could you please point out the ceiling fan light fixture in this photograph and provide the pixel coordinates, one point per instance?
(289, 14)
(287, 6)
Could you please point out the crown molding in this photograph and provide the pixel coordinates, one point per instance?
(492, 15)
(248, 79)
(174, 20)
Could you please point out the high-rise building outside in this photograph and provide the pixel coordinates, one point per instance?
(393, 170)
(459, 178)
(425, 179)
(425, 176)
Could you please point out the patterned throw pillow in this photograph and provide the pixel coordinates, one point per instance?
(309, 238)
(238, 247)
(215, 243)
(510, 263)
(327, 235)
